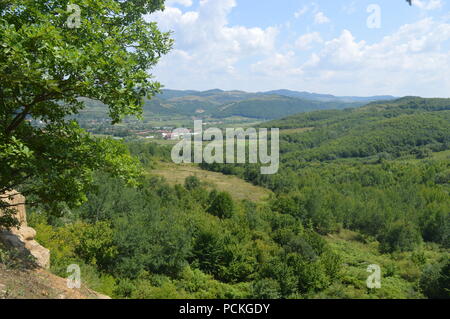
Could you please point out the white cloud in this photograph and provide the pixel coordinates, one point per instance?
(306, 41)
(206, 46)
(414, 60)
(428, 4)
(209, 53)
(278, 64)
(321, 18)
(301, 12)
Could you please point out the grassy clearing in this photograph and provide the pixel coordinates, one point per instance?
(238, 188)
(441, 155)
(400, 271)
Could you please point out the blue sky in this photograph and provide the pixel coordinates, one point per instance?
(347, 47)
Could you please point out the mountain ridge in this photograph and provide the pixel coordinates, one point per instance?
(281, 92)
(260, 105)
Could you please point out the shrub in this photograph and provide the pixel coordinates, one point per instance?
(266, 288)
(435, 280)
(222, 205)
(191, 183)
(401, 236)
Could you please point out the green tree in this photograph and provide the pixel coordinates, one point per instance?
(222, 205)
(435, 280)
(401, 236)
(48, 69)
(266, 288)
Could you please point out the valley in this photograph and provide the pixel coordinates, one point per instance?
(356, 187)
(317, 168)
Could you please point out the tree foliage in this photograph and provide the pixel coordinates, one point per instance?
(47, 67)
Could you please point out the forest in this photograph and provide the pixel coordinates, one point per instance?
(364, 184)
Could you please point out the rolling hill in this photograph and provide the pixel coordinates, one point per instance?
(221, 104)
(275, 106)
(409, 125)
(329, 97)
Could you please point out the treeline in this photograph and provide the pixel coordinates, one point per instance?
(378, 199)
(371, 112)
(368, 170)
(270, 107)
(159, 241)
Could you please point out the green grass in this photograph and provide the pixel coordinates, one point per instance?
(238, 188)
(400, 271)
(441, 155)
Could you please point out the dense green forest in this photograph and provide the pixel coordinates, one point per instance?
(271, 107)
(378, 159)
(383, 197)
(359, 184)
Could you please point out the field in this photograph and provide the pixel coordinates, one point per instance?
(238, 188)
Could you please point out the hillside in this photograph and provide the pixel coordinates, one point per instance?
(262, 105)
(276, 106)
(220, 104)
(239, 189)
(329, 97)
(382, 170)
(356, 187)
(229, 96)
(18, 281)
(405, 126)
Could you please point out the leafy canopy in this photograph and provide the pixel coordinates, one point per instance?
(46, 67)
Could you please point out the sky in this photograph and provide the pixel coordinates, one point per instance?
(340, 47)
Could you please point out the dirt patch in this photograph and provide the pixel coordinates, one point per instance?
(39, 284)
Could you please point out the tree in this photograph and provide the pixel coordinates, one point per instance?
(435, 280)
(48, 69)
(222, 205)
(401, 236)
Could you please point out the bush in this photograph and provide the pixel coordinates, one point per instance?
(191, 183)
(222, 205)
(435, 280)
(401, 236)
(266, 288)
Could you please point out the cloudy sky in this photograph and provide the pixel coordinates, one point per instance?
(341, 47)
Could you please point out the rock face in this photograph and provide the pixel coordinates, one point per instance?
(23, 238)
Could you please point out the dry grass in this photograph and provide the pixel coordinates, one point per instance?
(238, 188)
(38, 284)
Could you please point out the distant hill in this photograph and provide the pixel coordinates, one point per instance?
(219, 104)
(329, 97)
(276, 106)
(410, 125)
(260, 105)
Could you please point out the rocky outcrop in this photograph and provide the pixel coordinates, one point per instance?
(22, 238)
